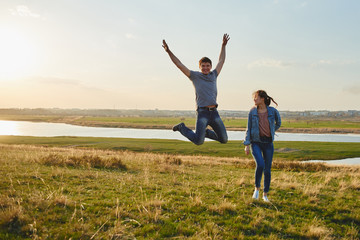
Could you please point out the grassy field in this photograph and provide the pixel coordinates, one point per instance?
(117, 188)
(71, 193)
(288, 125)
(292, 123)
(284, 150)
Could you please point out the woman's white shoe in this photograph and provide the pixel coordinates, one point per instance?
(256, 194)
(265, 198)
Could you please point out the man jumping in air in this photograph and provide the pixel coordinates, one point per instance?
(206, 92)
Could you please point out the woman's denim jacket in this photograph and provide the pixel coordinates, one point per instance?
(253, 132)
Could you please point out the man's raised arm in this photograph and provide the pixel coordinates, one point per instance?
(176, 61)
(222, 56)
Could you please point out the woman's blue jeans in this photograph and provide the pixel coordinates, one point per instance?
(263, 155)
(206, 117)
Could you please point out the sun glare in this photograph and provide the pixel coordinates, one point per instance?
(17, 54)
(8, 128)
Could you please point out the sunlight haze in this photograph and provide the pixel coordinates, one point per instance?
(108, 54)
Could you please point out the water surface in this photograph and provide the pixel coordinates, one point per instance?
(36, 129)
(346, 161)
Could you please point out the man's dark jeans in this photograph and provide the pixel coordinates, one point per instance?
(206, 117)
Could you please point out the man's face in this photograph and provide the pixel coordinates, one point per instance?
(205, 68)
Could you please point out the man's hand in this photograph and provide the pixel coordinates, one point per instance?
(165, 46)
(175, 60)
(222, 56)
(226, 38)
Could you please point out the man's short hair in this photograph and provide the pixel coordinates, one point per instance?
(205, 60)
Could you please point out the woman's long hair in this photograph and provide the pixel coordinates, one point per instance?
(267, 98)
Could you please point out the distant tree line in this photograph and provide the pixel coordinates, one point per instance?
(167, 113)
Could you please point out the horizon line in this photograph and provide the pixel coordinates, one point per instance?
(156, 109)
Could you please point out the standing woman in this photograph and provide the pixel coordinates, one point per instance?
(263, 121)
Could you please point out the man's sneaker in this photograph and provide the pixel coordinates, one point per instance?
(177, 127)
(256, 194)
(265, 198)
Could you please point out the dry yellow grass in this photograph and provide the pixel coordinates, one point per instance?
(223, 207)
(317, 230)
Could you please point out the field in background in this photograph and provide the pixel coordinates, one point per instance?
(288, 124)
(66, 192)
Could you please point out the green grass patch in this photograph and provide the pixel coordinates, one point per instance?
(284, 150)
(313, 123)
(134, 122)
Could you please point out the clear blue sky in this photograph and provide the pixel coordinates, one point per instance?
(108, 54)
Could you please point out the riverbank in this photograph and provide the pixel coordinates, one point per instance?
(290, 150)
(309, 130)
(66, 192)
(232, 124)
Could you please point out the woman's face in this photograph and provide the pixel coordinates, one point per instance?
(258, 100)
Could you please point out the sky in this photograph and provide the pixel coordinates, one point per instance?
(108, 54)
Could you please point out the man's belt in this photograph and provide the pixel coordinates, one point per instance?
(209, 108)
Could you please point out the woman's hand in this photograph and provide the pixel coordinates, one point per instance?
(247, 149)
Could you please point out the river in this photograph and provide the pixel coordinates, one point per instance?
(42, 129)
